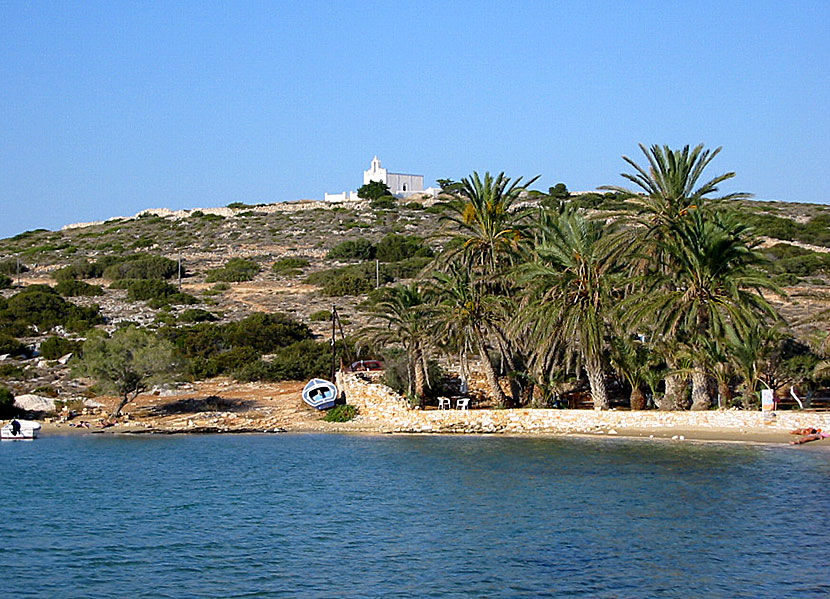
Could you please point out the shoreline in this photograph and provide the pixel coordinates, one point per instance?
(222, 406)
(665, 435)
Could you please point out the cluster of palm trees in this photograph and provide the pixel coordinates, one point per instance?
(667, 291)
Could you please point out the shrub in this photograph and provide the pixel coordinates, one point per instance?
(290, 266)
(298, 361)
(384, 203)
(197, 315)
(785, 279)
(414, 206)
(142, 267)
(354, 249)
(347, 284)
(235, 270)
(9, 267)
(365, 271)
(57, 347)
(342, 413)
(409, 268)
(263, 333)
(395, 247)
(149, 289)
(5, 282)
(82, 269)
(73, 288)
(175, 299)
(320, 316)
(7, 409)
(46, 309)
(46, 391)
(11, 346)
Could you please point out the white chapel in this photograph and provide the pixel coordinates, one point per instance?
(400, 185)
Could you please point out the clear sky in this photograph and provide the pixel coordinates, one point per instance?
(108, 108)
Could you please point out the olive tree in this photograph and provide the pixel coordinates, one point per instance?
(127, 363)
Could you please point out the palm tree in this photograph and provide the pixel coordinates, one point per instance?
(669, 186)
(713, 284)
(633, 360)
(464, 314)
(488, 224)
(405, 315)
(489, 233)
(669, 189)
(570, 285)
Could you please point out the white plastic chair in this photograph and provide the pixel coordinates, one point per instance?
(444, 403)
(463, 403)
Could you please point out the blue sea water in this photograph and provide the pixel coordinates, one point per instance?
(410, 516)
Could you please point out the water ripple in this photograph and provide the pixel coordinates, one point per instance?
(324, 516)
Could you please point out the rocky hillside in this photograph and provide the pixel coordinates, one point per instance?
(243, 259)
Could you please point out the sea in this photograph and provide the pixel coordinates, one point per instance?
(312, 515)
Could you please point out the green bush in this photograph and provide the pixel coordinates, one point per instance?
(11, 346)
(175, 299)
(347, 284)
(354, 249)
(414, 206)
(142, 267)
(149, 289)
(7, 409)
(12, 371)
(235, 270)
(395, 247)
(57, 347)
(290, 266)
(320, 316)
(342, 413)
(384, 203)
(262, 333)
(73, 288)
(10, 267)
(46, 309)
(5, 282)
(223, 362)
(298, 361)
(365, 270)
(197, 315)
(81, 269)
(409, 268)
(786, 279)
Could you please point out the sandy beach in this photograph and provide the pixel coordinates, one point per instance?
(223, 406)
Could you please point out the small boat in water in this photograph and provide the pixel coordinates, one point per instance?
(320, 394)
(20, 430)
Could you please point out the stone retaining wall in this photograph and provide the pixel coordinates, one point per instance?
(383, 406)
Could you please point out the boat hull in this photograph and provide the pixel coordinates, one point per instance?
(28, 430)
(320, 394)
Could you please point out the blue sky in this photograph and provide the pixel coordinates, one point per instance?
(113, 107)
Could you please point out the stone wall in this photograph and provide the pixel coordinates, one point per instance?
(382, 406)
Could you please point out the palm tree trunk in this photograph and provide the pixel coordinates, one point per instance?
(673, 398)
(598, 392)
(724, 394)
(701, 400)
(490, 375)
(637, 399)
(420, 377)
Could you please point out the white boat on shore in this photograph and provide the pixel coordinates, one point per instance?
(320, 394)
(19, 430)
